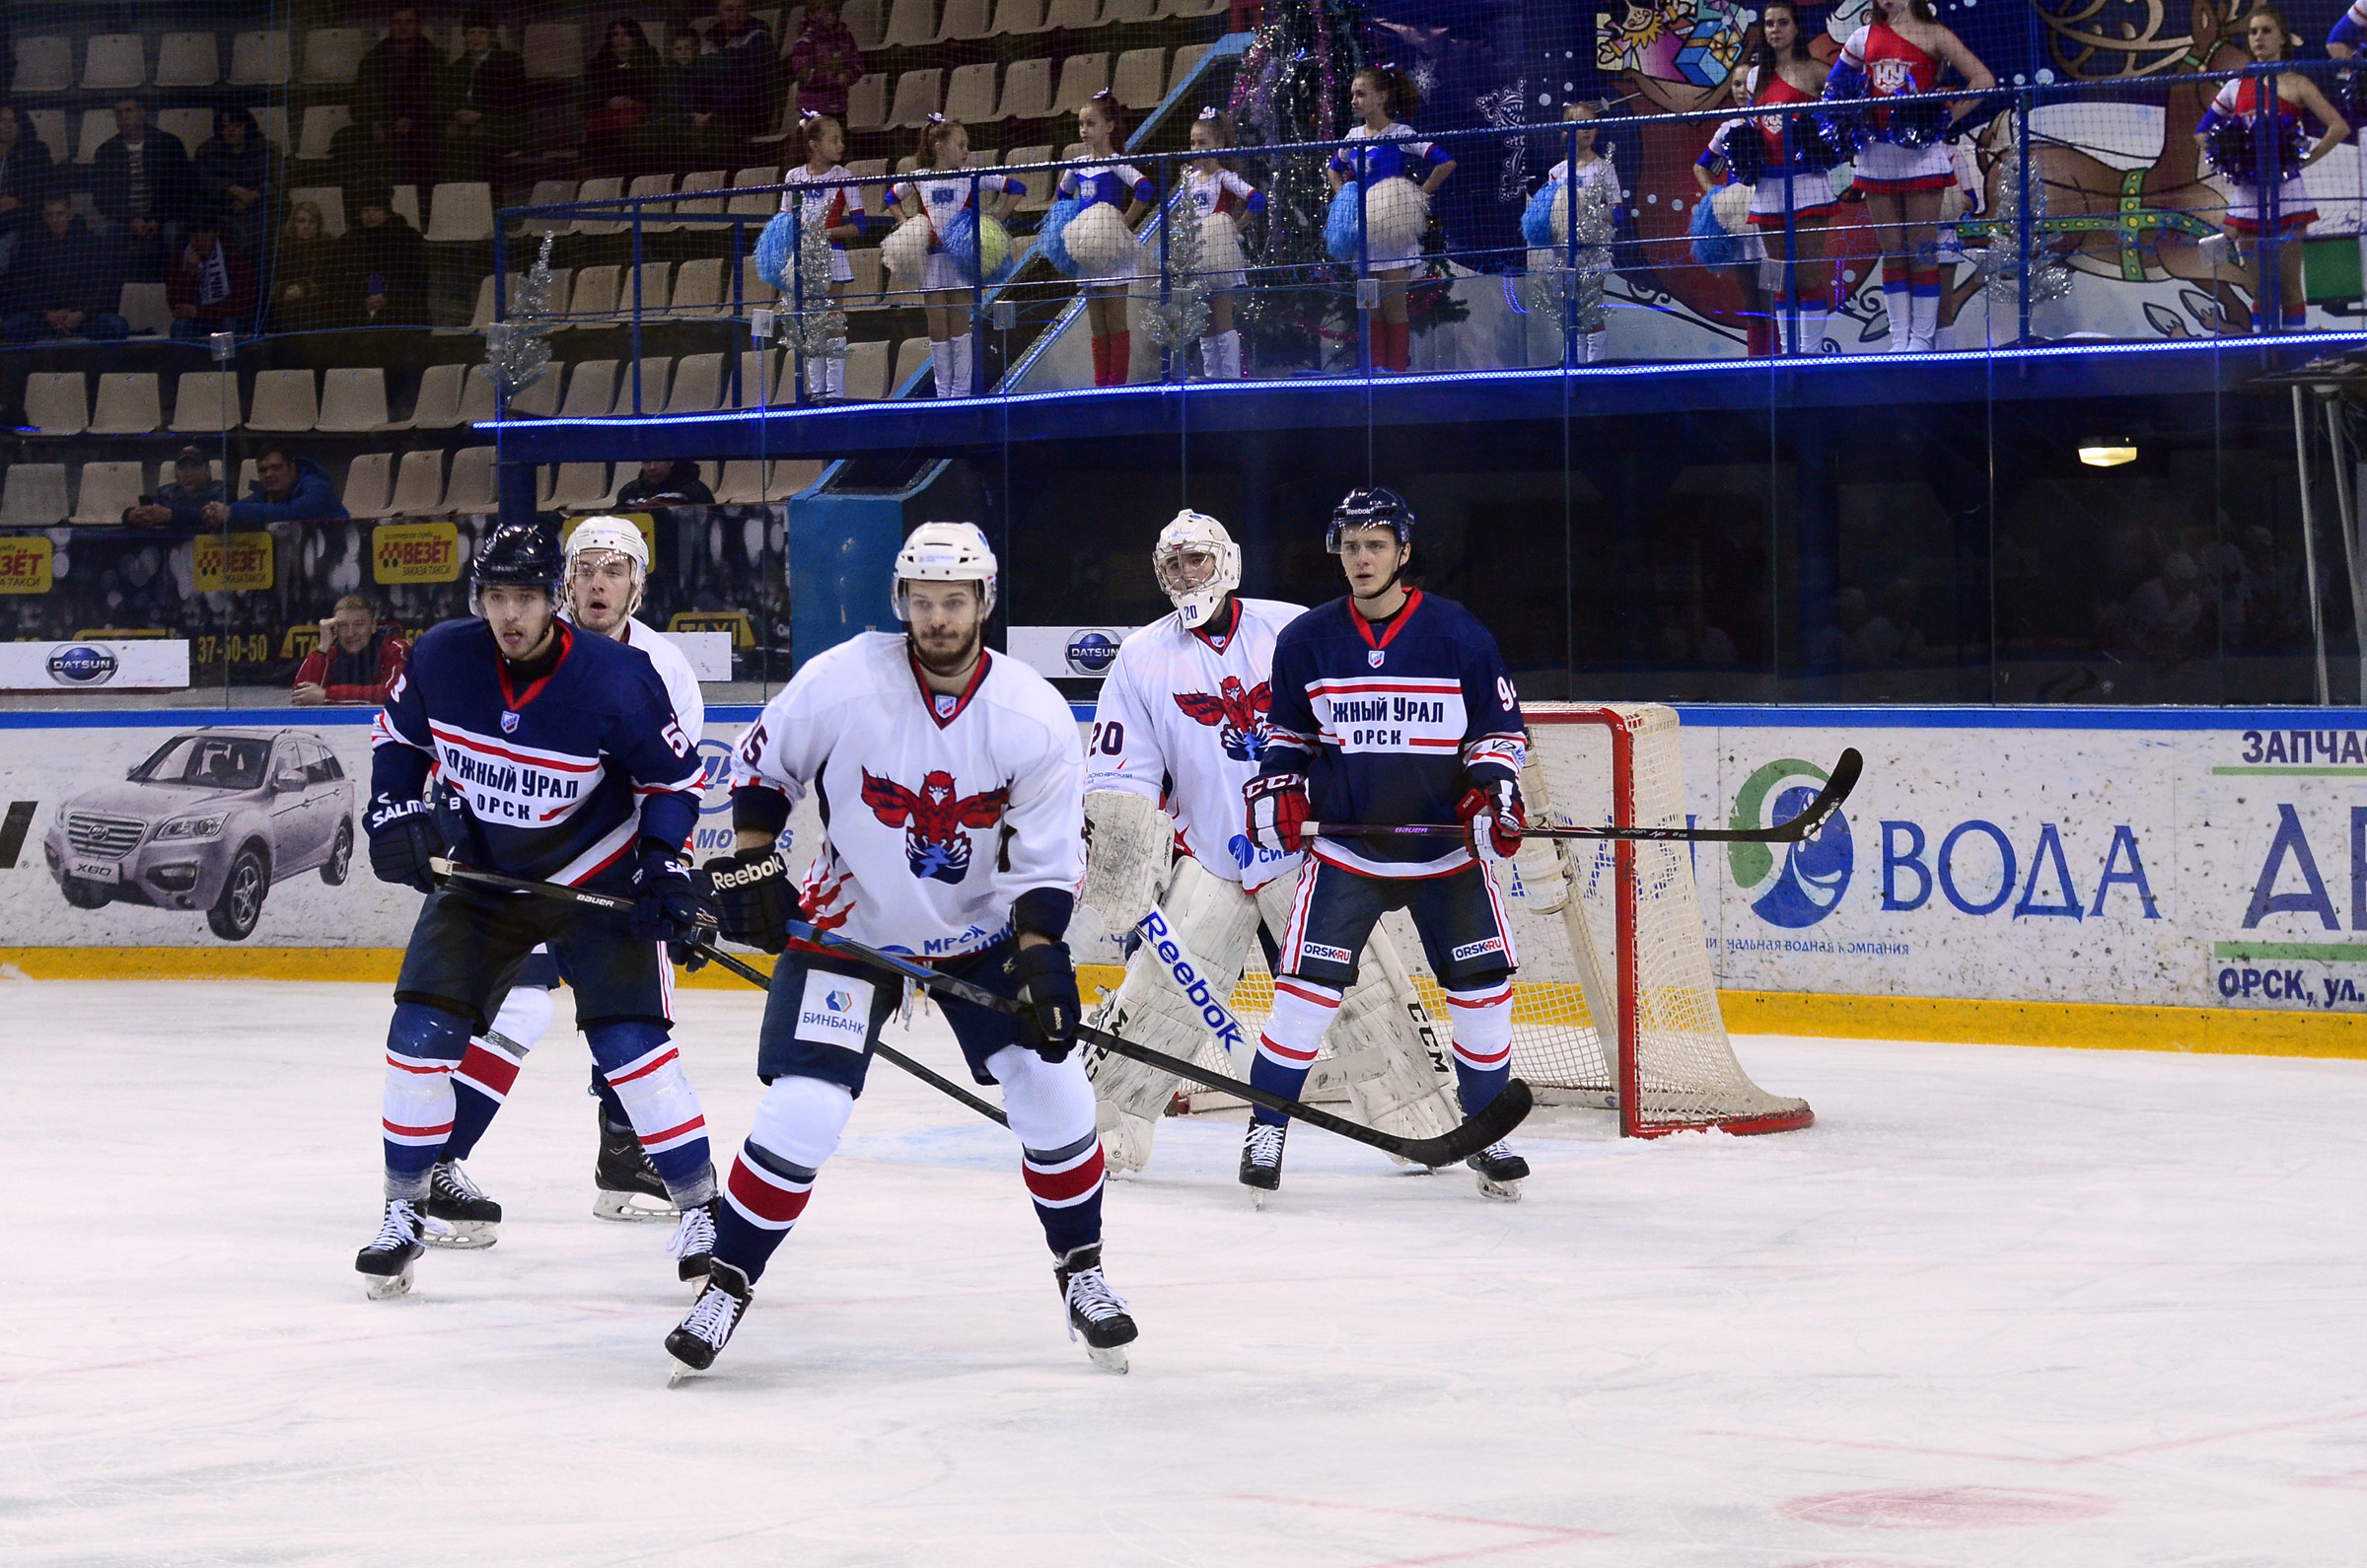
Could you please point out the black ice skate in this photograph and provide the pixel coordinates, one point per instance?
(471, 1217)
(386, 1263)
(1501, 1172)
(1096, 1313)
(1262, 1160)
(625, 1178)
(701, 1337)
(694, 1244)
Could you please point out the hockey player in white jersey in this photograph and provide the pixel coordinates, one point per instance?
(951, 787)
(606, 577)
(1182, 722)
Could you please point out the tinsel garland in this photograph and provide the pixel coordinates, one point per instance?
(2000, 264)
(1181, 319)
(819, 331)
(518, 347)
(1551, 283)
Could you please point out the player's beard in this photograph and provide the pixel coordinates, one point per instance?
(947, 658)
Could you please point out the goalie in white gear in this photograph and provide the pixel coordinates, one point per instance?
(1181, 724)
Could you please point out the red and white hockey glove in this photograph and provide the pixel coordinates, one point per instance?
(1277, 806)
(1492, 820)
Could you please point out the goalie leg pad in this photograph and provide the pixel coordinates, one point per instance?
(641, 1064)
(1052, 1110)
(1384, 1059)
(795, 1129)
(1482, 1025)
(1129, 842)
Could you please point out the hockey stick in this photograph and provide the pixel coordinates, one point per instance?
(1791, 830)
(447, 871)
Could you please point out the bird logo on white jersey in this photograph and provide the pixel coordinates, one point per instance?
(1237, 715)
(933, 818)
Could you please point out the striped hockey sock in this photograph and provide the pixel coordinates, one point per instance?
(795, 1130)
(423, 1046)
(1066, 1186)
(1481, 1026)
(1294, 1031)
(490, 1066)
(646, 1071)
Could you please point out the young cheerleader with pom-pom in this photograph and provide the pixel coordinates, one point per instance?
(1785, 73)
(825, 193)
(1378, 95)
(945, 294)
(1542, 225)
(1107, 268)
(1225, 203)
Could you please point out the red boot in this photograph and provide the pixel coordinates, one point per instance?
(1100, 360)
(1121, 358)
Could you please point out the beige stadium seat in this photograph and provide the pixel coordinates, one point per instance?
(49, 129)
(438, 405)
(406, 201)
(35, 496)
(1018, 18)
(591, 390)
(331, 199)
(756, 204)
(910, 22)
(549, 194)
(698, 288)
(58, 402)
(652, 279)
(259, 59)
(1192, 8)
(863, 18)
(655, 376)
(272, 120)
(419, 484)
(1027, 91)
(867, 103)
(1140, 78)
(334, 54)
(320, 124)
(128, 404)
(593, 301)
(654, 214)
(472, 488)
(906, 163)
(113, 60)
(43, 65)
(700, 180)
(353, 399)
(205, 401)
(863, 294)
(1074, 16)
(553, 51)
(1040, 182)
(1188, 60)
(697, 385)
(604, 189)
(146, 308)
(969, 95)
(459, 212)
(741, 483)
(1129, 13)
(96, 125)
(574, 487)
(106, 491)
(477, 393)
(1081, 76)
(189, 60)
(192, 127)
(368, 479)
(765, 367)
(753, 290)
(284, 400)
(867, 370)
(911, 358)
(541, 400)
(792, 475)
(917, 94)
(249, 473)
(964, 19)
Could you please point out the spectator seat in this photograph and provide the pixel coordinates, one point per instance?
(333, 55)
(910, 22)
(127, 404)
(969, 95)
(419, 484)
(1140, 78)
(35, 495)
(459, 212)
(1081, 76)
(319, 126)
(472, 488)
(368, 481)
(353, 400)
(104, 491)
(44, 64)
(917, 94)
(58, 402)
(1027, 91)
(867, 370)
(591, 390)
(697, 385)
(189, 60)
(867, 104)
(438, 405)
(113, 61)
(205, 401)
(331, 199)
(552, 50)
(259, 59)
(965, 20)
(285, 402)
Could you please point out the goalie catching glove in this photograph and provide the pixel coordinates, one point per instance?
(1492, 820)
(1277, 812)
(755, 899)
(1048, 983)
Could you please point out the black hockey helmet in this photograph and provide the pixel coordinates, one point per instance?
(1370, 507)
(518, 552)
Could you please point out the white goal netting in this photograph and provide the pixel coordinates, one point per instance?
(1611, 939)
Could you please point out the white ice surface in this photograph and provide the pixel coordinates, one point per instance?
(1997, 1307)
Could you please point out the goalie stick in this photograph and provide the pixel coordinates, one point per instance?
(1492, 1125)
(1791, 830)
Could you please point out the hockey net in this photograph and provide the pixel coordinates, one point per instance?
(1611, 939)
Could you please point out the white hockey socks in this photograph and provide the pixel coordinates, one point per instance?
(1483, 1028)
(964, 352)
(665, 1116)
(1051, 1111)
(941, 357)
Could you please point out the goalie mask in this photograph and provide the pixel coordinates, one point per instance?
(1198, 565)
(945, 552)
(596, 538)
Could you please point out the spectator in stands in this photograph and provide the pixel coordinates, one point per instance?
(619, 94)
(185, 499)
(287, 489)
(238, 179)
(747, 78)
(65, 281)
(141, 184)
(211, 282)
(26, 173)
(398, 104)
(487, 122)
(384, 266)
(825, 61)
(689, 92)
(665, 481)
(356, 661)
(304, 273)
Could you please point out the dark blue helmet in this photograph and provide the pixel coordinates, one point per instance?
(518, 552)
(1370, 507)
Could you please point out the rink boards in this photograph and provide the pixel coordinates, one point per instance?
(2171, 878)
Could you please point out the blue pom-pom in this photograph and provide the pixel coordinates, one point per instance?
(1342, 229)
(1049, 243)
(1713, 247)
(776, 251)
(960, 246)
(1746, 150)
(1537, 223)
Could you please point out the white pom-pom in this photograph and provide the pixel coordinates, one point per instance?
(1100, 242)
(905, 252)
(1395, 212)
(1561, 216)
(1220, 245)
(1731, 204)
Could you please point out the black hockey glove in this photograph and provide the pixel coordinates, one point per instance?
(756, 898)
(402, 840)
(1048, 983)
(666, 900)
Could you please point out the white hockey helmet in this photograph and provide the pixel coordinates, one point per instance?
(1195, 534)
(595, 535)
(945, 552)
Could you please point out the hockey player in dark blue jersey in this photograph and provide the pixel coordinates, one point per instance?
(1390, 706)
(559, 759)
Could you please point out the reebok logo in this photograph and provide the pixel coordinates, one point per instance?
(1192, 983)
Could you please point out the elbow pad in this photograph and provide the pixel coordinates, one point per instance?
(2347, 30)
(1846, 80)
(1256, 202)
(1043, 910)
(760, 809)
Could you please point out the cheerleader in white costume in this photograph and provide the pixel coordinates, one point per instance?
(826, 195)
(1125, 189)
(946, 297)
(1901, 53)
(2265, 38)
(1378, 95)
(1589, 170)
(1225, 203)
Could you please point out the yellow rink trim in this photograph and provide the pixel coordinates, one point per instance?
(2084, 1024)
